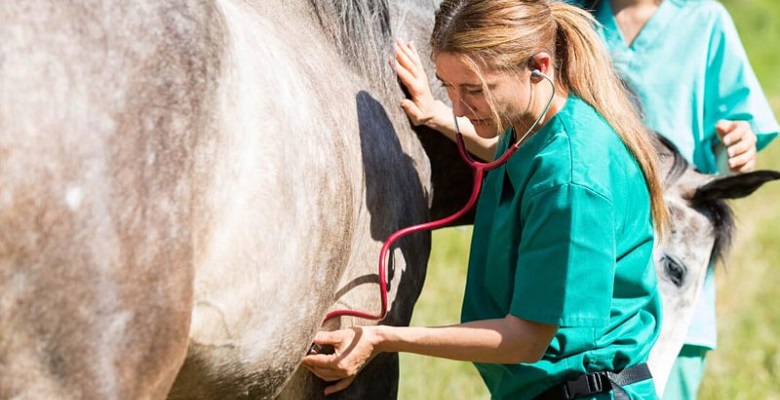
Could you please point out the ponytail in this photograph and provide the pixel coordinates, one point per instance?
(584, 66)
(504, 34)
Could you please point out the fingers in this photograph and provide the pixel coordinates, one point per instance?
(407, 52)
(740, 142)
(741, 147)
(408, 60)
(411, 51)
(320, 360)
(339, 386)
(723, 127)
(412, 110)
(341, 382)
(329, 368)
(410, 71)
(749, 166)
(406, 76)
(354, 347)
(325, 337)
(744, 162)
(731, 132)
(326, 374)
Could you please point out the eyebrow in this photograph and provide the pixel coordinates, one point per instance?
(466, 85)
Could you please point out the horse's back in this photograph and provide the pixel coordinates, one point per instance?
(101, 110)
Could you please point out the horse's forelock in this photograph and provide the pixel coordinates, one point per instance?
(673, 164)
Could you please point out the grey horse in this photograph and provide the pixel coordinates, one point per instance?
(188, 187)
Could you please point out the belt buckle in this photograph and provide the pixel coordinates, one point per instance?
(584, 385)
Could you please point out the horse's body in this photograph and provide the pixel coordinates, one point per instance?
(186, 188)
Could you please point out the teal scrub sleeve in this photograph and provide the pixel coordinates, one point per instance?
(732, 89)
(566, 263)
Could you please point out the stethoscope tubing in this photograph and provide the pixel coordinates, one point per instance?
(479, 170)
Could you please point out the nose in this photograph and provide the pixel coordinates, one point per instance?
(459, 107)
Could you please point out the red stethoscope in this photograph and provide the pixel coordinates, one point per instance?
(479, 168)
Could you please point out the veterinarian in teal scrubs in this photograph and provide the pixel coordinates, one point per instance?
(698, 89)
(561, 225)
(561, 296)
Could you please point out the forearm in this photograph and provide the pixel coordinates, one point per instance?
(501, 341)
(443, 122)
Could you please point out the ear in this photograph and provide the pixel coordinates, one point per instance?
(541, 61)
(734, 186)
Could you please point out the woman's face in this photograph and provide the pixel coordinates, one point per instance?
(510, 93)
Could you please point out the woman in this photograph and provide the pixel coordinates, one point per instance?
(561, 296)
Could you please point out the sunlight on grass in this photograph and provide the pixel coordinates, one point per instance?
(430, 378)
(746, 364)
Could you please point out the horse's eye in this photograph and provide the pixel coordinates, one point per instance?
(674, 269)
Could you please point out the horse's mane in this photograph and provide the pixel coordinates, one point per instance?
(722, 218)
(670, 155)
(717, 210)
(590, 5)
(361, 31)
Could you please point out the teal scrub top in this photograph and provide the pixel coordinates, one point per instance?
(689, 68)
(563, 235)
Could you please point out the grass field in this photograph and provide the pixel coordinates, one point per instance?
(747, 363)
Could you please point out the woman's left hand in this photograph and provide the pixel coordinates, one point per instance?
(740, 143)
(353, 347)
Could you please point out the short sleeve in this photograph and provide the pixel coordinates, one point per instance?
(732, 88)
(566, 264)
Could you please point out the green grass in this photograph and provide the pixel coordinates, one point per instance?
(439, 304)
(747, 363)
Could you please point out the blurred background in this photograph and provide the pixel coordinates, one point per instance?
(746, 364)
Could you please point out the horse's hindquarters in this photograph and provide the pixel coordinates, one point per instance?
(100, 113)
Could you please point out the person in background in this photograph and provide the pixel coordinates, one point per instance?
(686, 62)
(561, 294)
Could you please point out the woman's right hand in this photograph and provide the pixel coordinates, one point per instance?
(353, 348)
(410, 71)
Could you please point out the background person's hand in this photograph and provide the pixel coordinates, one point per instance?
(740, 144)
(353, 348)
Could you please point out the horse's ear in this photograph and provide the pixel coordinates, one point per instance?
(734, 186)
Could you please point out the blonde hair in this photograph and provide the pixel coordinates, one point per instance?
(505, 34)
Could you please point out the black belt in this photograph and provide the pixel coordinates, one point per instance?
(597, 382)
